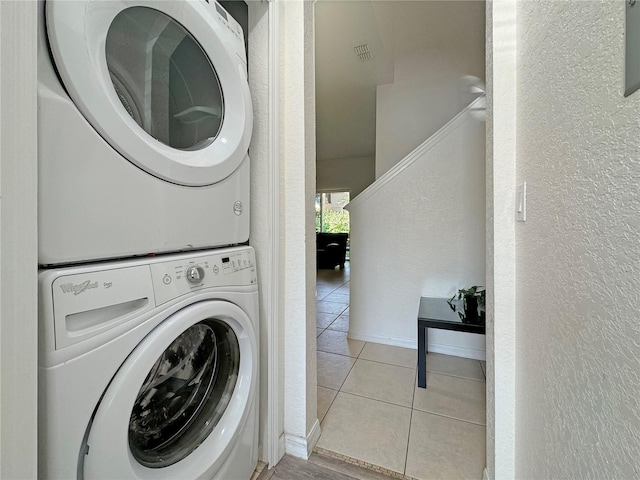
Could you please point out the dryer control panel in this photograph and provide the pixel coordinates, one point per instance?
(178, 277)
(232, 27)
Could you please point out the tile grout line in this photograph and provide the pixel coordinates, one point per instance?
(335, 320)
(348, 373)
(328, 408)
(406, 454)
(385, 363)
(339, 389)
(413, 401)
(375, 400)
(484, 373)
(333, 313)
(330, 288)
(412, 408)
(334, 353)
(345, 378)
(334, 330)
(456, 376)
(392, 364)
(351, 369)
(325, 328)
(452, 418)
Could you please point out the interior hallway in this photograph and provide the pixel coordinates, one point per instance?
(372, 411)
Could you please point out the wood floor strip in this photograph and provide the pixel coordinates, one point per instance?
(340, 466)
(318, 467)
(291, 468)
(266, 474)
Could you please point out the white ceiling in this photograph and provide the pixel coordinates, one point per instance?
(346, 86)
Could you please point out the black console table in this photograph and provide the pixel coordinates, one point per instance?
(434, 312)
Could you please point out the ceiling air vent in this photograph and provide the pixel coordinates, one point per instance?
(363, 53)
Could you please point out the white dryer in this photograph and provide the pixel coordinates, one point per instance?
(149, 368)
(144, 124)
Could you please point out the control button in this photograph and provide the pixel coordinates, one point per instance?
(166, 279)
(237, 208)
(194, 274)
(215, 269)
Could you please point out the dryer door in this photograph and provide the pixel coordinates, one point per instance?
(178, 403)
(163, 82)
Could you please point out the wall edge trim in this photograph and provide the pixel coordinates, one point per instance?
(418, 152)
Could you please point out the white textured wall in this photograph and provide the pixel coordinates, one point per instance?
(427, 91)
(578, 254)
(310, 217)
(501, 265)
(351, 175)
(409, 112)
(298, 234)
(293, 210)
(422, 232)
(18, 241)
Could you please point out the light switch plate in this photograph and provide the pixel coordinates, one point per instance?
(521, 202)
(632, 48)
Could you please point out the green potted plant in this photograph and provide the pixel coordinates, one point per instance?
(469, 304)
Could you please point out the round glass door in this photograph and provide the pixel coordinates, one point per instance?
(163, 78)
(185, 394)
(162, 82)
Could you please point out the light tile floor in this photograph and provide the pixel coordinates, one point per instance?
(371, 409)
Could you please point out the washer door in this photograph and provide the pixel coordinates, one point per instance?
(180, 400)
(159, 80)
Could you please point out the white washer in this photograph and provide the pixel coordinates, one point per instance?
(149, 368)
(144, 124)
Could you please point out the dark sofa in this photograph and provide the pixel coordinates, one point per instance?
(331, 249)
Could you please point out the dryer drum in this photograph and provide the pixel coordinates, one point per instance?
(126, 98)
(185, 394)
(164, 79)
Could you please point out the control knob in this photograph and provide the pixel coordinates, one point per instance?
(194, 274)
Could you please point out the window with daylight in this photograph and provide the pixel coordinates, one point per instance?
(331, 216)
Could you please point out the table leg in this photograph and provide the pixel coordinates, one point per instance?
(422, 356)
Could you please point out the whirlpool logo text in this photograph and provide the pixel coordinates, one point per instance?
(78, 288)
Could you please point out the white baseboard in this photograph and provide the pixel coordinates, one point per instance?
(454, 350)
(457, 351)
(295, 446)
(313, 437)
(395, 342)
(302, 447)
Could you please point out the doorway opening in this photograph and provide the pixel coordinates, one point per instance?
(395, 75)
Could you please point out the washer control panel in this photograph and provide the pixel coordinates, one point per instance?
(194, 274)
(174, 278)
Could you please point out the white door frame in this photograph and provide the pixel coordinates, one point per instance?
(18, 240)
(275, 387)
(501, 129)
(501, 259)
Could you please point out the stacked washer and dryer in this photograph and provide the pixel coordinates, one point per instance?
(148, 299)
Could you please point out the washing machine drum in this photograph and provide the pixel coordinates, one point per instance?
(159, 80)
(180, 401)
